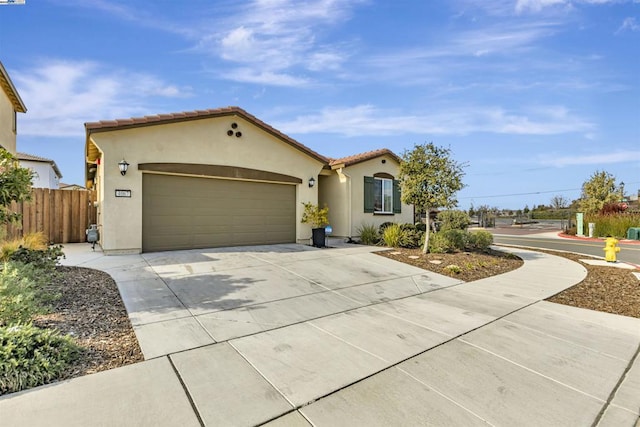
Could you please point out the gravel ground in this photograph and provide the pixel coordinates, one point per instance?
(91, 310)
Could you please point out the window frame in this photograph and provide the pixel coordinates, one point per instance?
(389, 188)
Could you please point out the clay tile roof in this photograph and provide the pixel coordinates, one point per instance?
(120, 124)
(32, 158)
(12, 93)
(357, 158)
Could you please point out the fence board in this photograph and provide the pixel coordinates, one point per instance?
(61, 215)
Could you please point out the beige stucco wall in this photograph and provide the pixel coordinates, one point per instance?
(7, 134)
(357, 172)
(203, 141)
(333, 191)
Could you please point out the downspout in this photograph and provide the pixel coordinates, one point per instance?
(341, 172)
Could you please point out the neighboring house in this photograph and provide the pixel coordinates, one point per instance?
(10, 105)
(63, 186)
(222, 177)
(47, 174)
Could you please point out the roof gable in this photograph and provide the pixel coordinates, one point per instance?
(363, 157)
(11, 91)
(121, 124)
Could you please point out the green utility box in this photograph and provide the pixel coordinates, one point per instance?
(633, 233)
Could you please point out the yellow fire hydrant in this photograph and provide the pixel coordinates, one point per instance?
(610, 249)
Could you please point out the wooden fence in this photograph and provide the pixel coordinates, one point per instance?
(61, 215)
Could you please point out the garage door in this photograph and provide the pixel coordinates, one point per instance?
(183, 213)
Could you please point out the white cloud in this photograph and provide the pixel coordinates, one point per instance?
(277, 38)
(62, 95)
(629, 24)
(367, 120)
(594, 159)
(536, 5)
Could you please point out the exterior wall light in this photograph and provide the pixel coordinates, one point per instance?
(312, 182)
(123, 166)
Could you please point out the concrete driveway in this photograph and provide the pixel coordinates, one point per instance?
(291, 336)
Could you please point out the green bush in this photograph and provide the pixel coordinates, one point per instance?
(615, 225)
(480, 240)
(440, 244)
(384, 225)
(448, 241)
(369, 234)
(411, 237)
(45, 259)
(19, 293)
(453, 269)
(392, 236)
(453, 220)
(30, 356)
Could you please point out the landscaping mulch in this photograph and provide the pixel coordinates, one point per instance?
(608, 289)
(471, 265)
(90, 309)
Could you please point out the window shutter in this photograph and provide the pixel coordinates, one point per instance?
(397, 202)
(369, 191)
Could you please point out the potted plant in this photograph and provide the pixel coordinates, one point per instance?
(318, 218)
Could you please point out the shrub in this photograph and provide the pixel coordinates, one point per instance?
(411, 237)
(44, 259)
(480, 240)
(615, 225)
(421, 226)
(384, 226)
(453, 269)
(439, 244)
(448, 241)
(392, 235)
(315, 215)
(453, 220)
(30, 356)
(369, 234)
(19, 294)
(33, 241)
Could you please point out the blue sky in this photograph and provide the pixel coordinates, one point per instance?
(535, 95)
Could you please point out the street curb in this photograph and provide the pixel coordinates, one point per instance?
(535, 248)
(595, 239)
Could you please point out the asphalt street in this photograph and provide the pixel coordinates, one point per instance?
(628, 252)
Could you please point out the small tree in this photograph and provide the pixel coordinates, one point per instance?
(15, 186)
(598, 191)
(429, 179)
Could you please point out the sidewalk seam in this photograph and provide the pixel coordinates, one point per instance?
(186, 392)
(612, 395)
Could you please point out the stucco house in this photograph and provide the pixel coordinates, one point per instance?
(10, 105)
(222, 177)
(47, 174)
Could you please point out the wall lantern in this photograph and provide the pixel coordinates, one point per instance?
(123, 166)
(312, 182)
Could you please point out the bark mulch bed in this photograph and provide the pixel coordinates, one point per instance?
(471, 265)
(90, 309)
(609, 289)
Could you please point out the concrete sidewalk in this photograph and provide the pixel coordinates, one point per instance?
(290, 335)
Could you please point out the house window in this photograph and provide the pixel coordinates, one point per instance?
(381, 195)
(14, 123)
